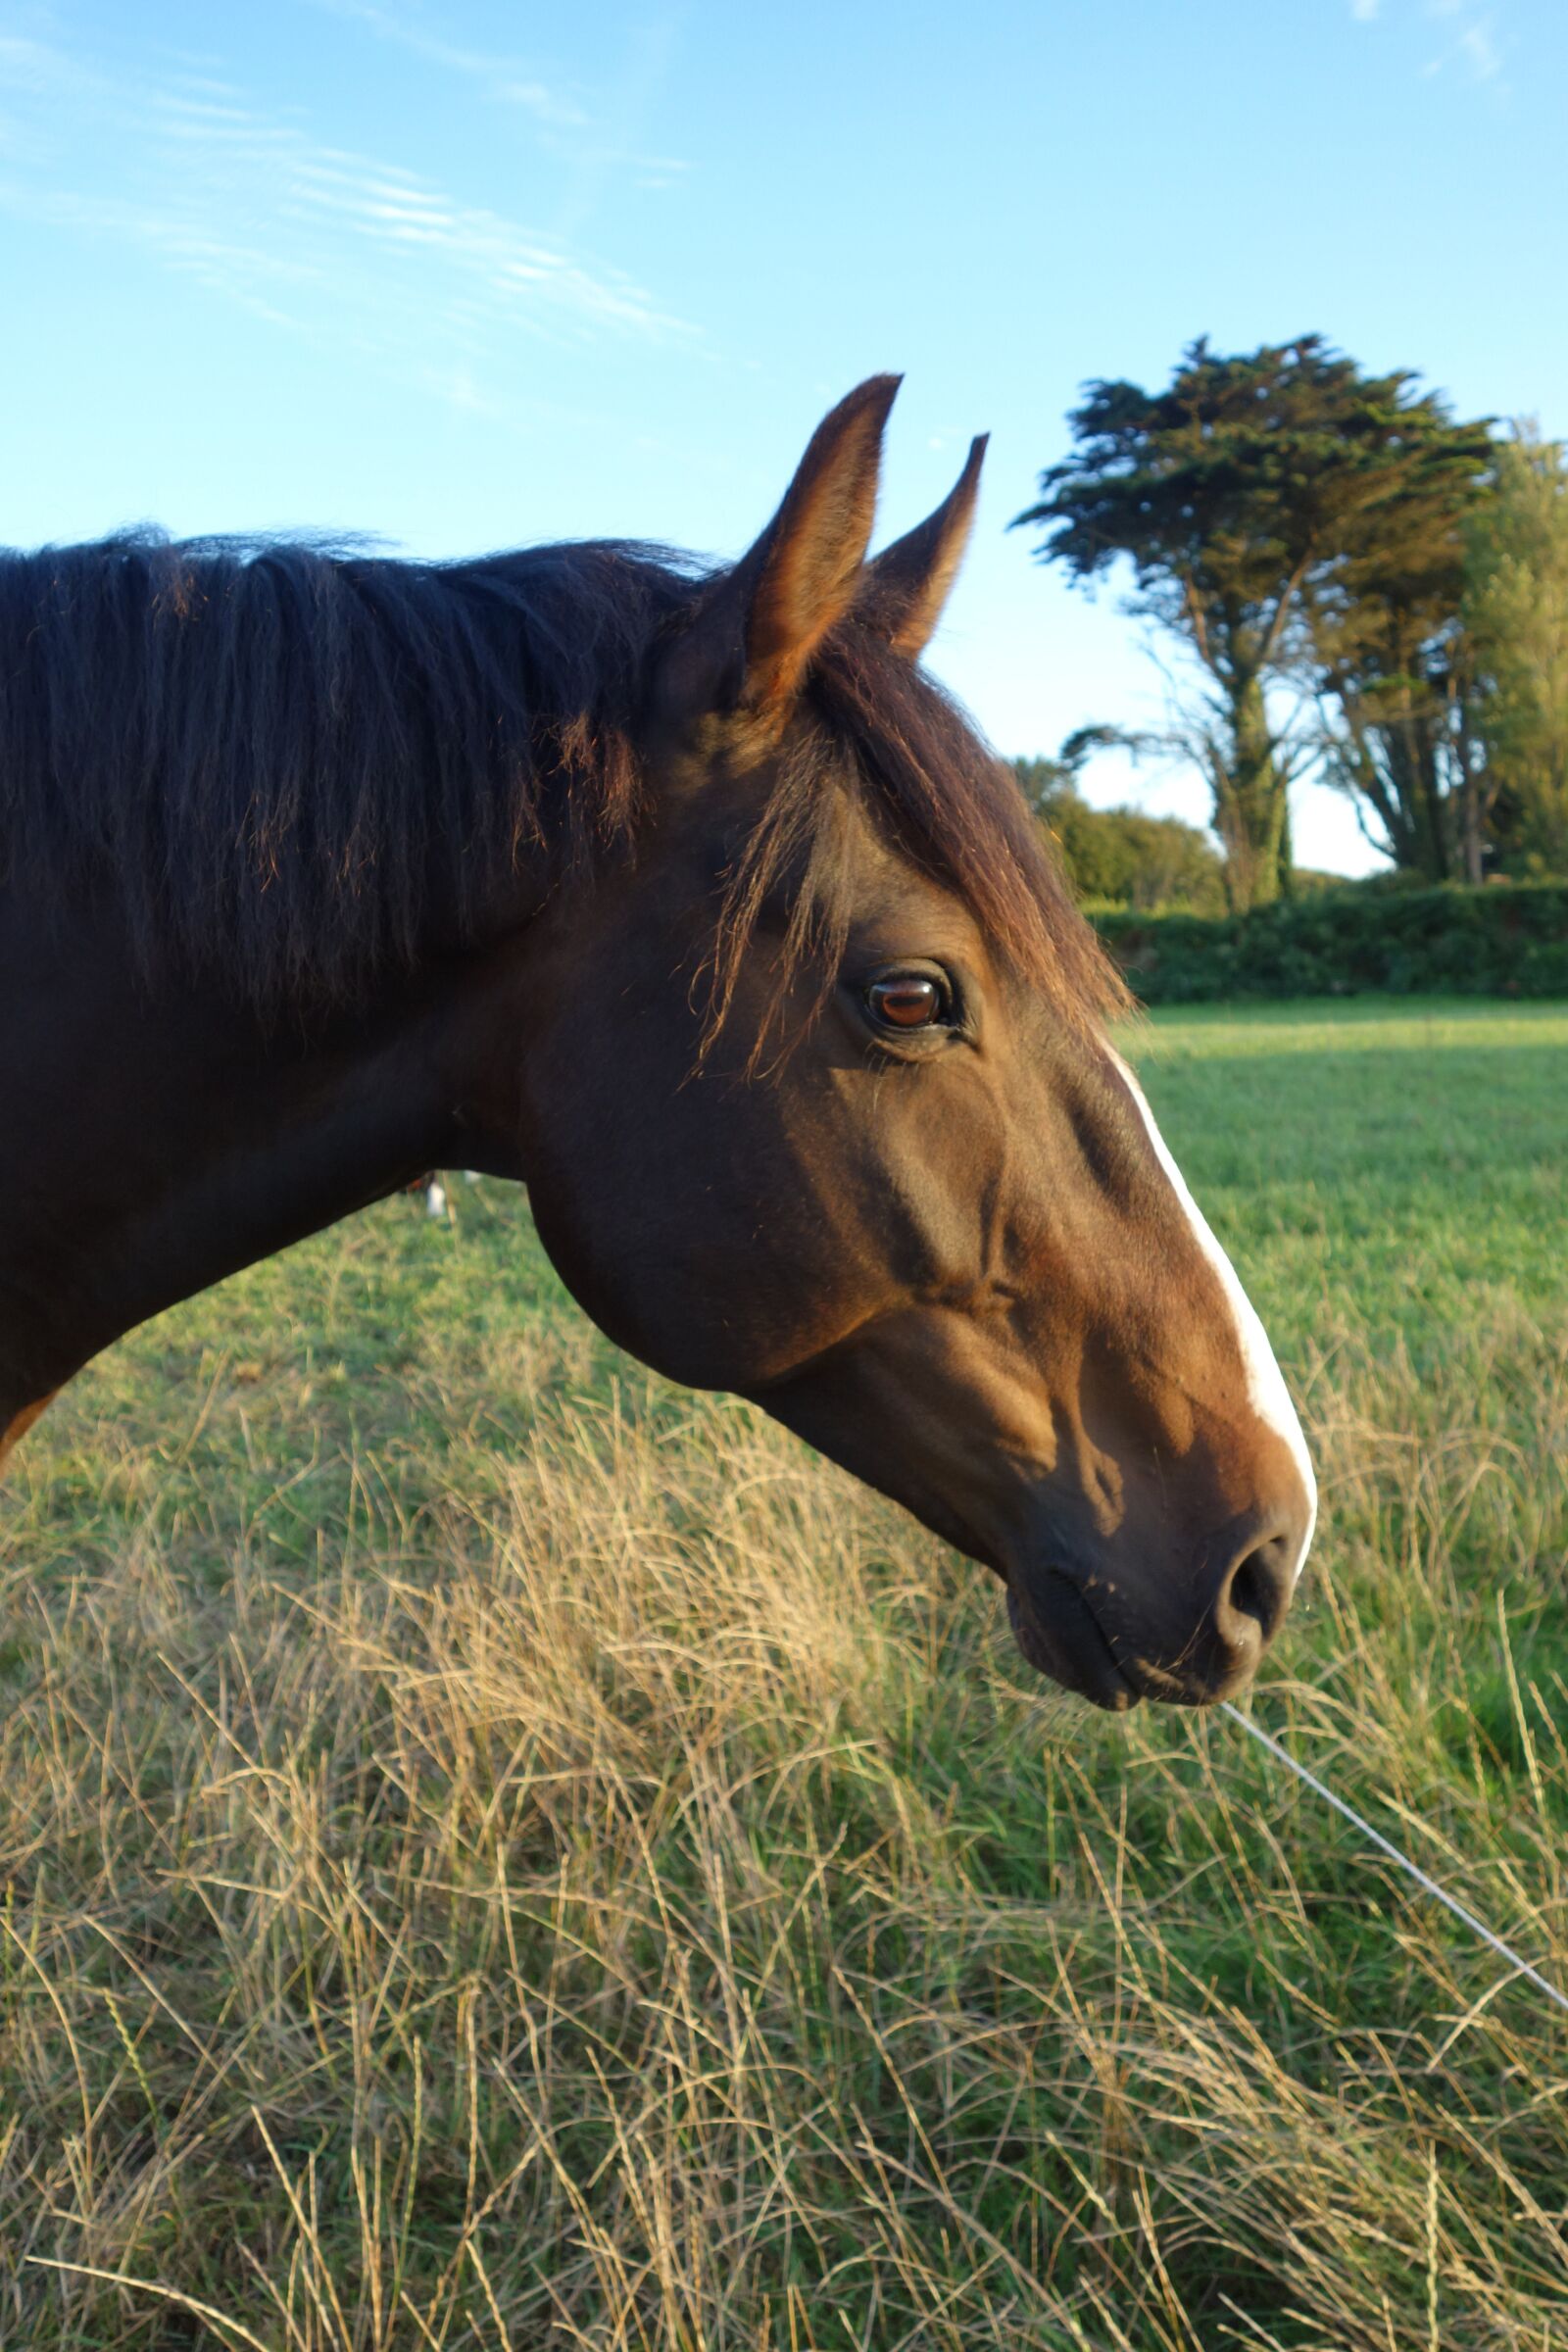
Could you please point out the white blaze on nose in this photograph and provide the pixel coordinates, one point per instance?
(1266, 1392)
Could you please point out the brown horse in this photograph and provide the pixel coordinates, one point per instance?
(689, 901)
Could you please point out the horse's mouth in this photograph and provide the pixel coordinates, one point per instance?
(1064, 1640)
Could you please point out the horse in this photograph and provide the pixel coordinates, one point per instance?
(683, 896)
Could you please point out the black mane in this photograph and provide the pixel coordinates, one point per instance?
(291, 760)
(295, 765)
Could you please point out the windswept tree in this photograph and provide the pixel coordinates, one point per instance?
(1384, 644)
(1516, 627)
(1239, 496)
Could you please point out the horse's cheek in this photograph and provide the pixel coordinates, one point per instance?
(664, 1207)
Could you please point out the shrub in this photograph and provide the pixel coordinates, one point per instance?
(1501, 940)
(1120, 855)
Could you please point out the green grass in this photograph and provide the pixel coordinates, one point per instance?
(1400, 1161)
(497, 1851)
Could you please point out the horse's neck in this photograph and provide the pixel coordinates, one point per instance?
(147, 1149)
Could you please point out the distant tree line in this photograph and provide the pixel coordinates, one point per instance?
(1360, 586)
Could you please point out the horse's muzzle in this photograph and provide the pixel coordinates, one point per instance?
(1190, 1642)
(1059, 1634)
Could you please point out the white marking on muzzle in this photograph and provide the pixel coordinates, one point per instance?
(1266, 1392)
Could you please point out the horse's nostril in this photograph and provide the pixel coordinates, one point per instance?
(1251, 1592)
(1254, 1594)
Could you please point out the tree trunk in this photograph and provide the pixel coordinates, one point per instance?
(1285, 857)
(1250, 804)
(1470, 844)
(1472, 812)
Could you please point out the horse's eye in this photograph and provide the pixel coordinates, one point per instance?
(907, 1002)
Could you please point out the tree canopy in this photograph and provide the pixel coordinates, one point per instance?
(1515, 618)
(1263, 501)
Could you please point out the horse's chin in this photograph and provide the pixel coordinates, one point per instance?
(1064, 1640)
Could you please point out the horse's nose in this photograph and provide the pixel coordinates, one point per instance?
(1252, 1593)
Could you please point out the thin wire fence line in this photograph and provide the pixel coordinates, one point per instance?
(1476, 1927)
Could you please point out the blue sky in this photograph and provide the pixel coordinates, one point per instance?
(465, 274)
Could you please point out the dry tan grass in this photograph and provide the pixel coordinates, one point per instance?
(646, 1905)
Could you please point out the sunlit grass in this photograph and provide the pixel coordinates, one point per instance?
(497, 1851)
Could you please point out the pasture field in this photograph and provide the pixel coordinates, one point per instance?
(496, 1851)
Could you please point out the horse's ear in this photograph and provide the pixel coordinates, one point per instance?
(902, 590)
(757, 627)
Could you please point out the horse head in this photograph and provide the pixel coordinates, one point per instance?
(816, 1102)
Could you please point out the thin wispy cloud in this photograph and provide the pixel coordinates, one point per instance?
(1475, 49)
(320, 238)
(1480, 51)
(507, 79)
(582, 133)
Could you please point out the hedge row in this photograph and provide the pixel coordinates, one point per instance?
(1507, 939)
